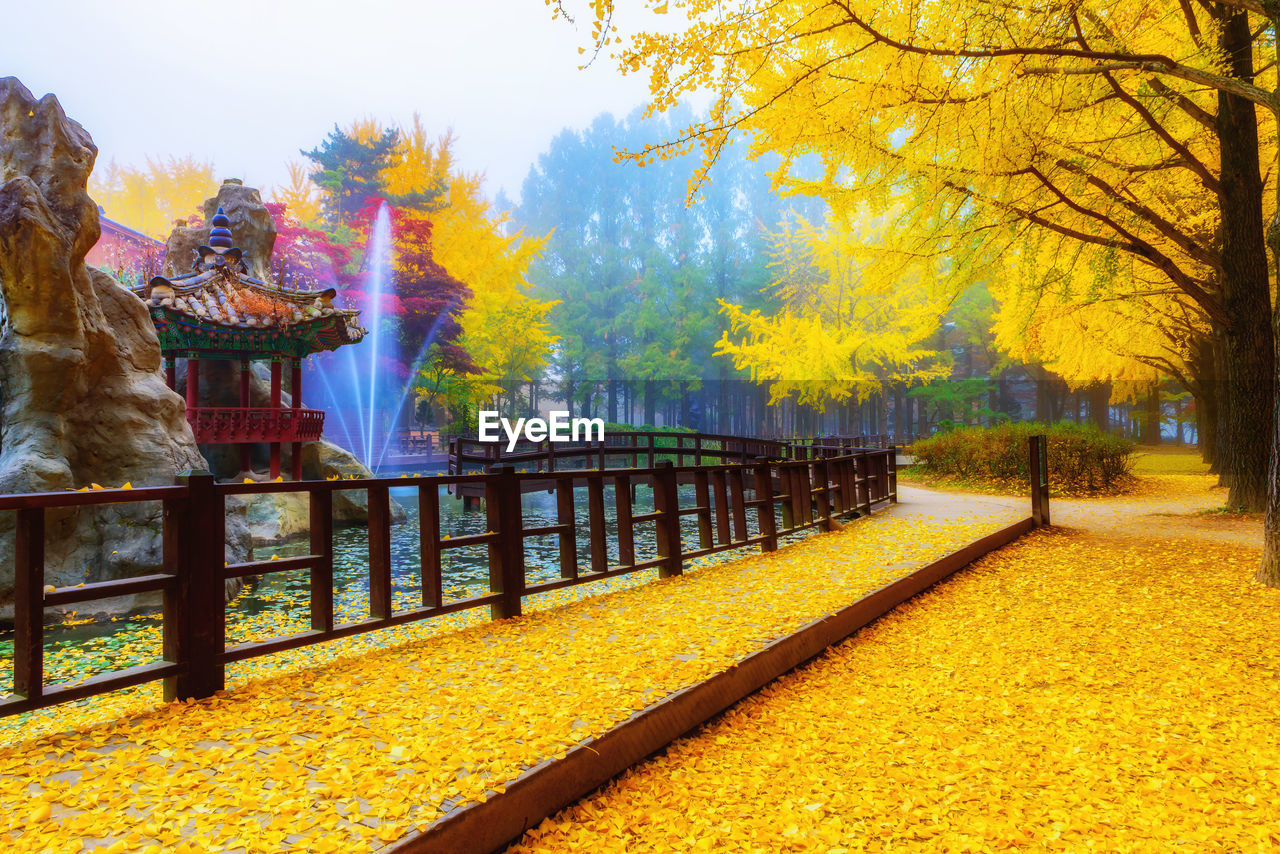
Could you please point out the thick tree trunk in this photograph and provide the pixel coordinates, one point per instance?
(1151, 416)
(1099, 404)
(1250, 347)
(1222, 410)
(1044, 413)
(897, 413)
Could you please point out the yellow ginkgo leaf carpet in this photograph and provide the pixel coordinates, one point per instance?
(1111, 686)
(358, 751)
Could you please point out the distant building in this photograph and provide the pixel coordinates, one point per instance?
(121, 249)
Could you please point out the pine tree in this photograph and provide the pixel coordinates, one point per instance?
(350, 170)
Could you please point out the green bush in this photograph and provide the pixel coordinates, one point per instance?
(1083, 460)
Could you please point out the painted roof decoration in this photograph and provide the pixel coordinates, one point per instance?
(218, 308)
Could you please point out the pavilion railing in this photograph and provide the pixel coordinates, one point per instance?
(780, 496)
(231, 424)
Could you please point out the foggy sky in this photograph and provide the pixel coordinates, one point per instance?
(246, 84)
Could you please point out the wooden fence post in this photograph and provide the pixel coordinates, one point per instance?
(506, 553)
(626, 534)
(702, 500)
(766, 520)
(821, 474)
(1044, 481)
(321, 513)
(737, 503)
(597, 545)
(429, 545)
(667, 502)
(892, 460)
(195, 629)
(28, 603)
(862, 484)
(1039, 467)
(381, 605)
(569, 531)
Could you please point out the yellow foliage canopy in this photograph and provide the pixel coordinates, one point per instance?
(1017, 151)
(150, 199)
(300, 196)
(842, 332)
(504, 329)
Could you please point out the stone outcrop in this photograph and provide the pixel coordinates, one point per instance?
(282, 517)
(251, 223)
(84, 398)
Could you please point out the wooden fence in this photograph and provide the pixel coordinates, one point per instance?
(634, 448)
(782, 496)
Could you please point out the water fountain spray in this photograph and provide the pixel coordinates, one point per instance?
(379, 281)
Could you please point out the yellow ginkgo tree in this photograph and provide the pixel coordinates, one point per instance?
(848, 325)
(505, 330)
(151, 198)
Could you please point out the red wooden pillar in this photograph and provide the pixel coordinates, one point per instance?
(295, 384)
(193, 383)
(245, 447)
(275, 406)
(171, 373)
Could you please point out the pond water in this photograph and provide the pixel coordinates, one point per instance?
(464, 570)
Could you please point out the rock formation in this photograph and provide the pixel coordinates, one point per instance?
(84, 399)
(284, 516)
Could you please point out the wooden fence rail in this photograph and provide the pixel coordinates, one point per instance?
(631, 449)
(780, 496)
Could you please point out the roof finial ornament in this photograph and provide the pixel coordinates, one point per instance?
(220, 235)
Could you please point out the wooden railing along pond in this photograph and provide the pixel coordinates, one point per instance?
(635, 448)
(784, 496)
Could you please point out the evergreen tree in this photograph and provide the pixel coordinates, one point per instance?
(350, 170)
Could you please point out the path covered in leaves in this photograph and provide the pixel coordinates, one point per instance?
(1110, 685)
(356, 751)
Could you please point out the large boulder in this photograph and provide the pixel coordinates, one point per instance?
(84, 399)
(251, 223)
(285, 516)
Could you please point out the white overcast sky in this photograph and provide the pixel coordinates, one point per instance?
(246, 83)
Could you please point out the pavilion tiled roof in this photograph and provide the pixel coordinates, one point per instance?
(219, 295)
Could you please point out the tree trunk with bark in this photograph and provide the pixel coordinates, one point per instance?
(1151, 416)
(1250, 344)
(1099, 405)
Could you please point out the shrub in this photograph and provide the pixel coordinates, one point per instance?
(1083, 460)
